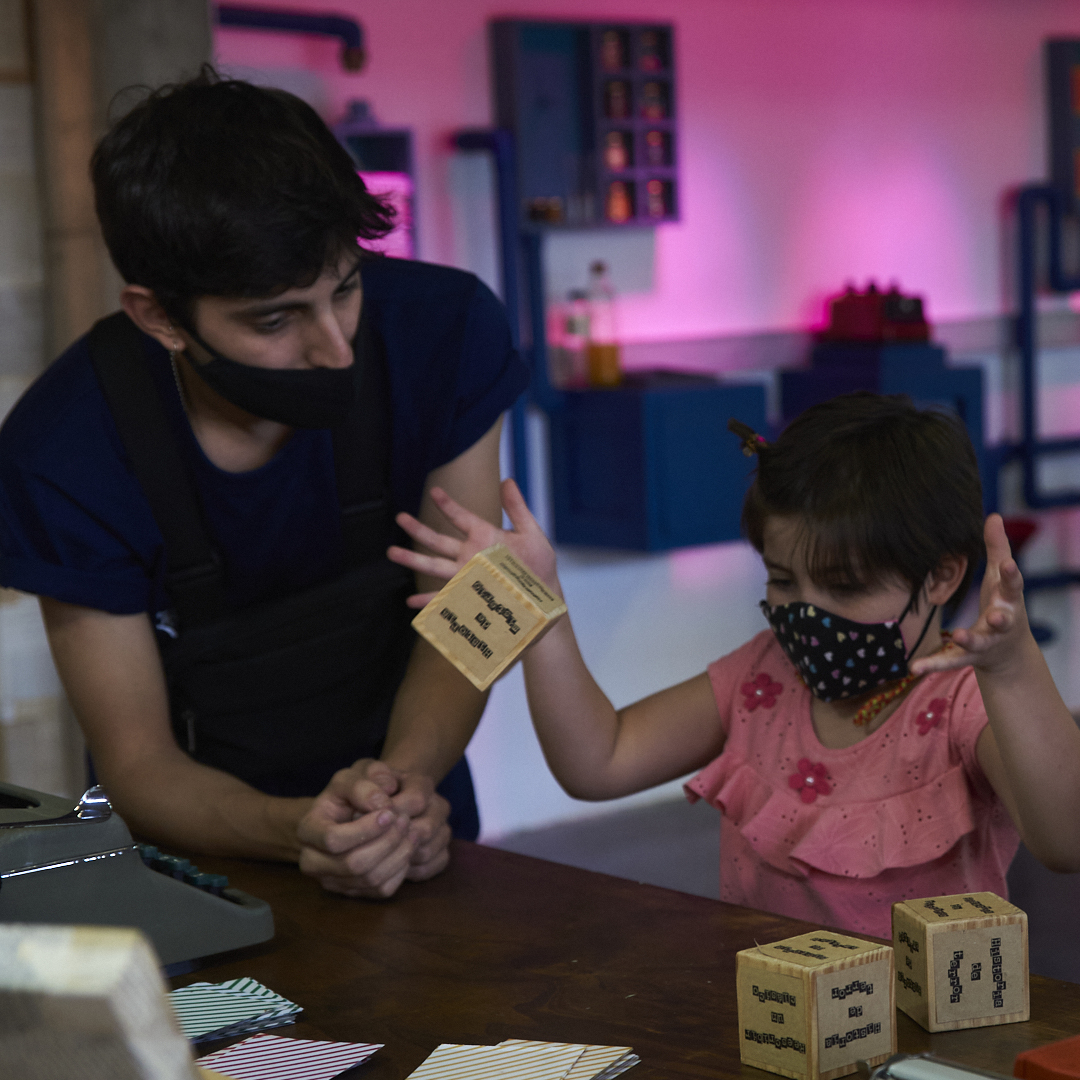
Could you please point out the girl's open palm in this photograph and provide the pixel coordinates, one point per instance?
(449, 553)
(1001, 629)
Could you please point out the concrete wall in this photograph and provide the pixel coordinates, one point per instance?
(21, 270)
(36, 738)
(55, 275)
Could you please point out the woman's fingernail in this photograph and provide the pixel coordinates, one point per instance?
(385, 817)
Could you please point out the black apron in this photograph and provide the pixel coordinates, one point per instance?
(283, 693)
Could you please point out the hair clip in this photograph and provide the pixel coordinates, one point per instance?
(752, 442)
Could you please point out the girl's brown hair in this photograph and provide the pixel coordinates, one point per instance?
(885, 491)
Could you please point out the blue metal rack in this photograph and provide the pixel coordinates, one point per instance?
(500, 143)
(349, 31)
(1032, 448)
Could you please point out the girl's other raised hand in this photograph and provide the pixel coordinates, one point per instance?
(446, 555)
(1000, 634)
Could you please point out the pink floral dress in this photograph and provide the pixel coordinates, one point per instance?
(835, 836)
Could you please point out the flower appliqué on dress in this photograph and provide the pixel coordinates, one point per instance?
(932, 715)
(762, 691)
(811, 780)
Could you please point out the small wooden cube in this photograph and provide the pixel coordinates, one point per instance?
(813, 1005)
(86, 1001)
(961, 961)
(487, 613)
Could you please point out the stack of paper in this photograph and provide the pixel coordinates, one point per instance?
(207, 1011)
(269, 1057)
(518, 1059)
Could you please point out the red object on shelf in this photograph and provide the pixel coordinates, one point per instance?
(1054, 1061)
(874, 316)
(1018, 531)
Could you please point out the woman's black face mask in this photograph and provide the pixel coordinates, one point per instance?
(303, 398)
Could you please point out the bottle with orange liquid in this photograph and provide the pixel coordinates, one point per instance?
(602, 350)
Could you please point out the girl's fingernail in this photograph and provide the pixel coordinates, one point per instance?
(385, 817)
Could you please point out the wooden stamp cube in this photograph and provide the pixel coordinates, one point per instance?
(86, 1001)
(487, 613)
(813, 1005)
(961, 961)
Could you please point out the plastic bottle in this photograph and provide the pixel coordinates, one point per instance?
(603, 351)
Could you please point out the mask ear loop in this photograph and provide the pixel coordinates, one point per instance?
(926, 626)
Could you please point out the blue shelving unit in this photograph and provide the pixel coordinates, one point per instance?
(650, 465)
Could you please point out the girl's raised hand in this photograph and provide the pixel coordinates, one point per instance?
(526, 541)
(1001, 630)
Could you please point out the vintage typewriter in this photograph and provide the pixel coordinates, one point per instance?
(77, 863)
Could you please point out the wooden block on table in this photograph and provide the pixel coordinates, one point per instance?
(86, 1001)
(487, 613)
(813, 1005)
(961, 961)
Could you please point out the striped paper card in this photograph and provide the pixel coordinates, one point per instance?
(520, 1059)
(207, 1011)
(583, 1069)
(271, 1057)
(600, 1062)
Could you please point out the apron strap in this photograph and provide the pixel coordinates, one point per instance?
(362, 444)
(194, 576)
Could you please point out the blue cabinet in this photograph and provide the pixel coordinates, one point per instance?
(651, 466)
(917, 369)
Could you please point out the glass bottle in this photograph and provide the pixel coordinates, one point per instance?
(655, 200)
(654, 101)
(616, 151)
(612, 51)
(617, 100)
(575, 337)
(656, 151)
(650, 51)
(602, 351)
(618, 206)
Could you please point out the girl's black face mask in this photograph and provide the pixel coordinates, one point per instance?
(837, 657)
(303, 398)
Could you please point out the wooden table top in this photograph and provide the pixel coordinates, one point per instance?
(505, 946)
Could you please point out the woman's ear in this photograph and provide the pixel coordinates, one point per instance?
(142, 307)
(945, 579)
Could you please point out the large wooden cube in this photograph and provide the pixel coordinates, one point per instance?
(86, 1001)
(961, 961)
(486, 614)
(813, 1005)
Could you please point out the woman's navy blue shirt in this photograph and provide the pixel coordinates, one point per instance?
(75, 526)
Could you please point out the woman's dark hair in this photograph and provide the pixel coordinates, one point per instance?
(216, 187)
(885, 491)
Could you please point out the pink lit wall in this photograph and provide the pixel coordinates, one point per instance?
(822, 140)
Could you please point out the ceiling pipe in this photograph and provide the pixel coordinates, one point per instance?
(349, 31)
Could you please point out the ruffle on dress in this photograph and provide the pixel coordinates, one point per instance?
(855, 840)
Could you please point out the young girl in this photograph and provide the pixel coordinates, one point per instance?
(847, 746)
